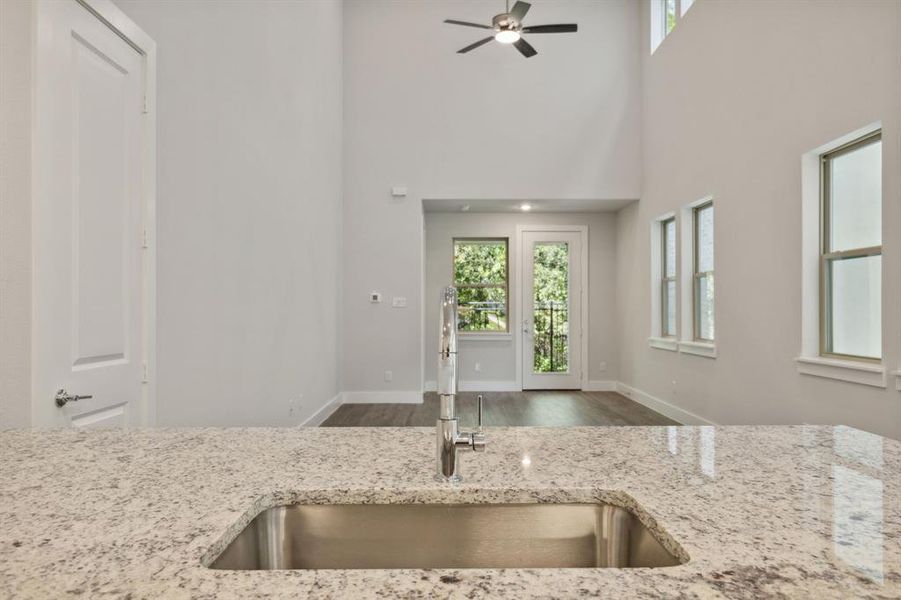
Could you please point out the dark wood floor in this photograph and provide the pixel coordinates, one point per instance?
(547, 408)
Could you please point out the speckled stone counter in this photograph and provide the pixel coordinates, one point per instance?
(800, 512)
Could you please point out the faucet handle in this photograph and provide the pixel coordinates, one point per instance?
(480, 414)
(478, 438)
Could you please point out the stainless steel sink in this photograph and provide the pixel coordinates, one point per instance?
(459, 536)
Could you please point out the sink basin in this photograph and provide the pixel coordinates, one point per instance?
(452, 536)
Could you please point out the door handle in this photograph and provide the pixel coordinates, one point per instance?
(525, 328)
(63, 397)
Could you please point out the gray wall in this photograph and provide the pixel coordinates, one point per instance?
(249, 207)
(498, 358)
(490, 124)
(15, 212)
(732, 99)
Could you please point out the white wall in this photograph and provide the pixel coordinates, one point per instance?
(16, 41)
(732, 99)
(249, 207)
(489, 124)
(498, 358)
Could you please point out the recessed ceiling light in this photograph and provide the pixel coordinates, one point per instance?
(525, 207)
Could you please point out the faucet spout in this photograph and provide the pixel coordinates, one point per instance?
(449, 438)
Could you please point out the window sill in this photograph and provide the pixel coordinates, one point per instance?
(484, 337)
(844, 370)
(698, 349)
(664, 343)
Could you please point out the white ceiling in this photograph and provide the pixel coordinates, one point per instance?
(430, 205)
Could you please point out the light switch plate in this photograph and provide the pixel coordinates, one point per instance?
(399, 302)
(399, 191)
(375, 297)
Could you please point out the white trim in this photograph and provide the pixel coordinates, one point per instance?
(484, 337)
(685, 276)
(844, 370)
(382, 397)
(663, 343)
(517, 310)
(698, 349)
(672, 411)
(657, 275)
(319, 417)
(600, 386)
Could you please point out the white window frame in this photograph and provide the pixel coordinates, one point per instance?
(688, 341)
(657, 338)
(810, 361)
(827, 255)
(657, 12)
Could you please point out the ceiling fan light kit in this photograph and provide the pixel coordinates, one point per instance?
(508, 29)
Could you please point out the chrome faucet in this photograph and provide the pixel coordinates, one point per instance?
(448, 437)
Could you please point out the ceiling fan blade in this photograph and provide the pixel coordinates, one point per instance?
(519, 10)
(474, 46)
(525, 48)
(466, 24)
(563, 28)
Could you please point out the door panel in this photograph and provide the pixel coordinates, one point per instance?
(552, 345)
(87, 220)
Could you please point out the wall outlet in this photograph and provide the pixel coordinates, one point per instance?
(375, 297)
(399, 302)
(389, 375)
(478, 367)
(602, 366)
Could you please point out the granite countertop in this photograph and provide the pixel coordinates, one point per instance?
(806, 512)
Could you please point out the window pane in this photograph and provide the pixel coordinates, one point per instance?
(705, 307)
(704, 224)
(481, 309)
(669, 241)
(670, 15)
(855, 198)
(669, 327)
(856, 306)
(686, 4)
(480, 262)
(550, 319)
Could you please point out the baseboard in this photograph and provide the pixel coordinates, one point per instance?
(389, 397)
(599, 386)
(478, 386)
(664, 408)
(319, 417)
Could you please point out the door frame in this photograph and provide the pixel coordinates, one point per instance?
(116, 20)
(582, 230)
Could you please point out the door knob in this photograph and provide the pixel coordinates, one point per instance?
(63, 397)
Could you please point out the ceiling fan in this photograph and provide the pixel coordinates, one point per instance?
(508, 29)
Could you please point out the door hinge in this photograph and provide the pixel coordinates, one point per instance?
(145, 238)
(145, 372)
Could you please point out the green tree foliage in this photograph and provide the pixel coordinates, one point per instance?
(551, 318)
(480, 275)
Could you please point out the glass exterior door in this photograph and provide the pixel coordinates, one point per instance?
(551, 310)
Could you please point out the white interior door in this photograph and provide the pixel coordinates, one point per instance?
(552, 310)
(87, 221)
